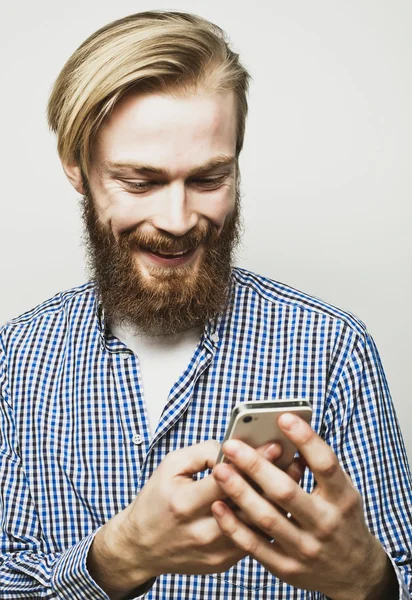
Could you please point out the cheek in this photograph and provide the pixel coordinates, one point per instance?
(126, 216)
(217, 207)
(124, 212)
(117, 209)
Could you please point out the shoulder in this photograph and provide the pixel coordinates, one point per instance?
(281, 295)
(69, 303)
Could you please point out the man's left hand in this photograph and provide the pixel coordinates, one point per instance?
(320, 540)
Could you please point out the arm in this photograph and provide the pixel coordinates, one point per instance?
(330, 522)
(364, 433)
(109, 563)
(30, 568)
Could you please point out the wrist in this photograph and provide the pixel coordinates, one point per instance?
(385, 585)
(375, 578)
(114, 564)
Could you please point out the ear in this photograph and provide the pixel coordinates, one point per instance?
(74, 175)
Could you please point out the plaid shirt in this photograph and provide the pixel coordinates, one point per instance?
(75, 444)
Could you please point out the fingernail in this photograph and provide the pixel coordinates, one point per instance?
(271, 451)
(289, 421)
(222, 473)
(231, 447)
(218, 509)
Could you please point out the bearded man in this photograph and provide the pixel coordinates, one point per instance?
(115, 395)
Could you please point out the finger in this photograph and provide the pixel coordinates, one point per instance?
(188, 461)
(271, 451)
(242, 517)
(200, 494)
(203, 456)
(275, 484)
(199, 457)
(257, 509)
(249, 541)
(195, 496)
(321, 460)
(296, 469)
(207, 490)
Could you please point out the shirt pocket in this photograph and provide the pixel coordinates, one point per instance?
(248, 574)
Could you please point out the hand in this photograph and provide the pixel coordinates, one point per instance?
(325, 545)
(169, 527)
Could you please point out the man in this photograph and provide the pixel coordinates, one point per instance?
(115, 395)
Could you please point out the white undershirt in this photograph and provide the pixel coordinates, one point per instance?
(162, 360)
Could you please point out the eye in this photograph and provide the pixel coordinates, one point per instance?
(209, 182)
(139, 186)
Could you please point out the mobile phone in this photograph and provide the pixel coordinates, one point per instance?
(256, 423)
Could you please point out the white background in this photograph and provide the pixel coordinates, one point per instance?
(326, 169)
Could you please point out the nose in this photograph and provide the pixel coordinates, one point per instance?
(175, 214)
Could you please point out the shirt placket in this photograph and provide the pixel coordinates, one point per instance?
(133, 425)
(180, 397)
(134, 421)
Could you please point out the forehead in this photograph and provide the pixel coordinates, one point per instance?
(169, 130)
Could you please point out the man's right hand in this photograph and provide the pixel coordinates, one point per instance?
(168, 528)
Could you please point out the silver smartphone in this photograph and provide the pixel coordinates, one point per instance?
(256, 423)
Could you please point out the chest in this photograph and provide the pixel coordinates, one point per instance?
(84, 428)
(86, 442)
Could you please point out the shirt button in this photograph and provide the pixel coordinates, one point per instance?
(124, 355)
(137, 439)
(215, 337)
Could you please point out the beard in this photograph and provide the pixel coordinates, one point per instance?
(167, 300)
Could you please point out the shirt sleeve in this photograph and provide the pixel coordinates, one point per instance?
(28, 569)
(361, 426)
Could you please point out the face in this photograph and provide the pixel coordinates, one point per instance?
(161, 208)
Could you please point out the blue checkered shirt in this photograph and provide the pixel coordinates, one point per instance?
(75, 443)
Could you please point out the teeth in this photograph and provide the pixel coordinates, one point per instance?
(173, 254)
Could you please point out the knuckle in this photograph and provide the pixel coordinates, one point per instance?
(287, 492)
(214, 559)
(178, 508)
(328, 526)
(237, 490)
(310, 550)
(290, 570)
(307, 434)
(202, 537)
(228, 528)
(267, 522)
(329, 467)
(221, 561)
(251, 544)
(231, 530)
(254, 462)
(351, 504)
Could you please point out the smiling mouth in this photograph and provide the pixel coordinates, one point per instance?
(171, 254)
(170, 259)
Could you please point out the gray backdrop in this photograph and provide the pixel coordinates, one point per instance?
(326, 173)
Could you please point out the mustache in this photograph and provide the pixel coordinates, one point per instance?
(165, 242)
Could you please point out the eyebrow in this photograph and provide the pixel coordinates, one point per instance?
(142, 169)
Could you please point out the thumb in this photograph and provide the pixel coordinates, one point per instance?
(186, 462)
(193, 459)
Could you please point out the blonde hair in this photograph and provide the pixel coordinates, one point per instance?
(148, 51)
